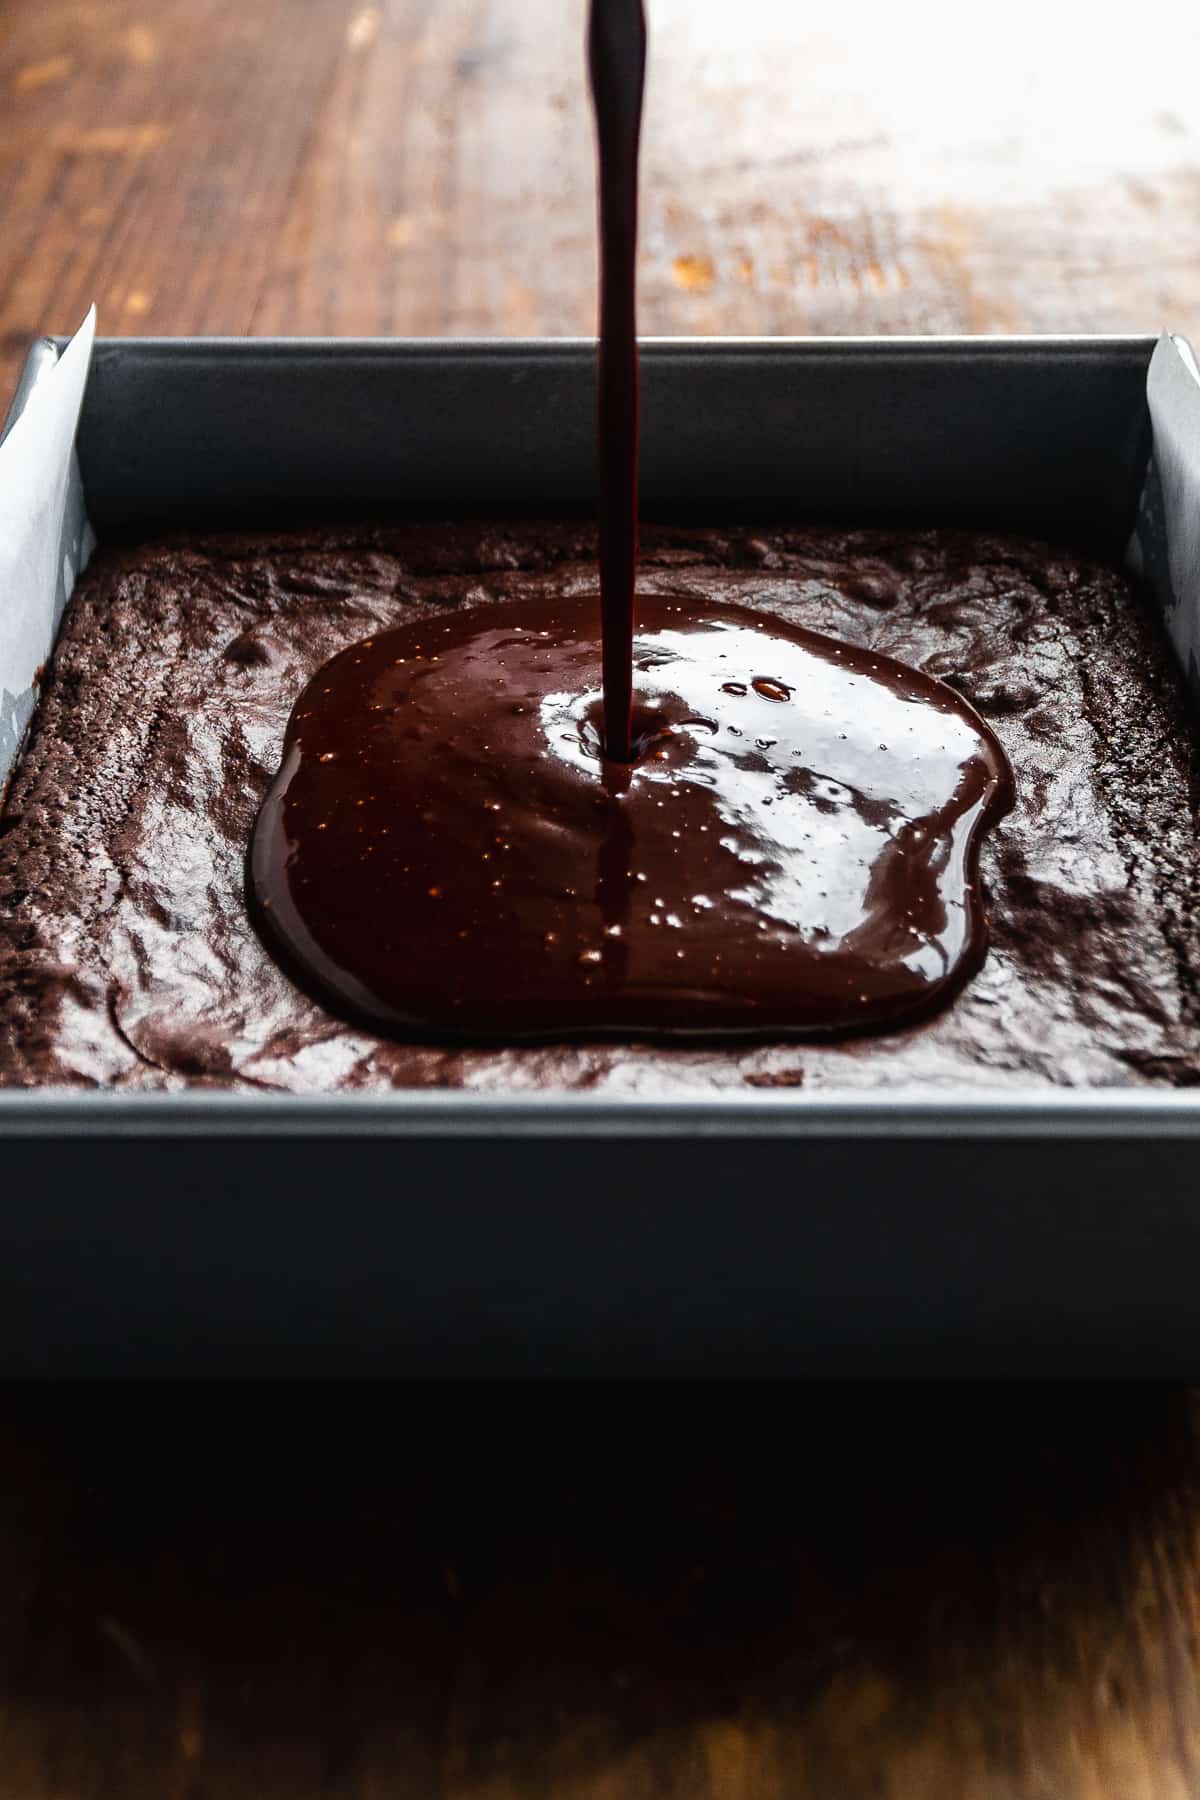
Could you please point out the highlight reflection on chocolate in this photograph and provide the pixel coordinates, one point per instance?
(795, 849)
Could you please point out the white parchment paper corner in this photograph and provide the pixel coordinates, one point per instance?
(45, 538)
(1165, 547)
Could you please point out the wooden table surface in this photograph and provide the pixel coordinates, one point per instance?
(424, 167)
(800, 1593)
(803, 1594)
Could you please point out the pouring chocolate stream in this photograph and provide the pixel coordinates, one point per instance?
(617, 70)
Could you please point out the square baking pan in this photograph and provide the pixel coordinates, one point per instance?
(417, 1233)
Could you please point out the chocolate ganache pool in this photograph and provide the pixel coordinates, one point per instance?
(794, 848)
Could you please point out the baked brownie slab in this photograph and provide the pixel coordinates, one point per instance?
(127, 958)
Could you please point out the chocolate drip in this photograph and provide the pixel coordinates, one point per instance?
(446, 849)
(617, 67)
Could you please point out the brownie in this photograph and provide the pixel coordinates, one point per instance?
(127, 959)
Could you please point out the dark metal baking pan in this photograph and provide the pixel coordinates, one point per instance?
(463, 1234)
(1049, 432)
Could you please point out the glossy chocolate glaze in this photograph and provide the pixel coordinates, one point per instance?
(127, 960)
(793, 849)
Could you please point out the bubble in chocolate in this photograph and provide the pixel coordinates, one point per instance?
(794, 849)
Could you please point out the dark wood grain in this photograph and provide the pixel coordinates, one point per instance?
(792, 1595)
(795, 1593)
(424, 166)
